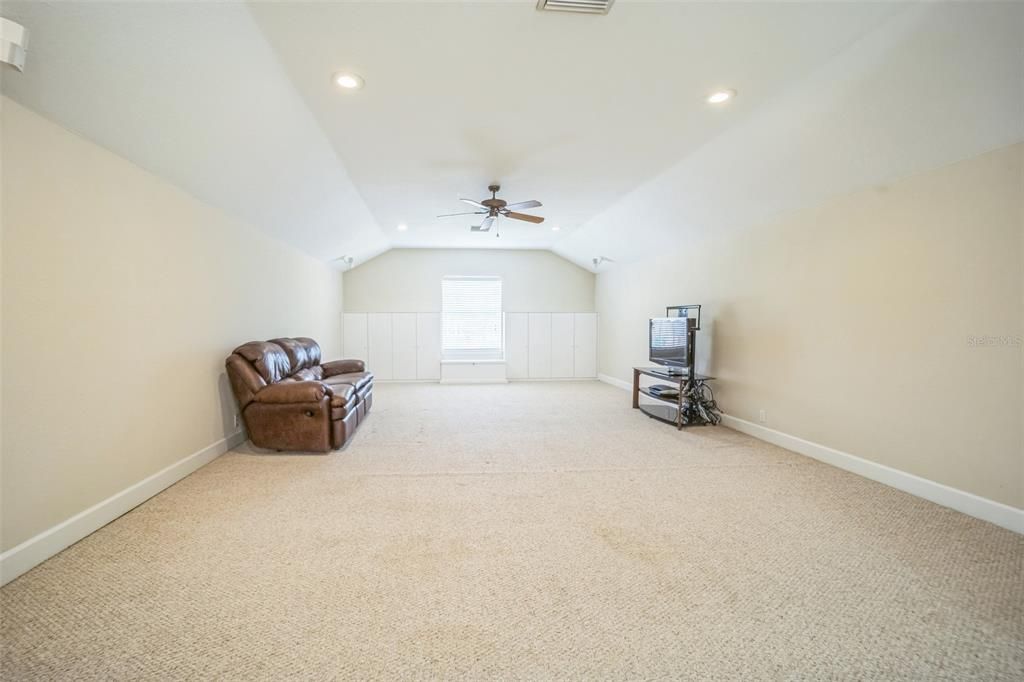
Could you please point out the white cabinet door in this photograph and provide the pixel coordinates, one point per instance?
(517, 345)
(540, 345)
(380, 352)
(354, 336)
(428, 346)
(585, 342)
(403, 339)
(562, 345)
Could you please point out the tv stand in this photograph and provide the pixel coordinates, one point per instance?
(690, 408)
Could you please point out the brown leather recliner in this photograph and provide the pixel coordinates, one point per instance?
(290, 401)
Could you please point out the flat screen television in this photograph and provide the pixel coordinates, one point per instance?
(671, 342)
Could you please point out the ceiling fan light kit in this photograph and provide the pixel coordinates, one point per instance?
(495, 208)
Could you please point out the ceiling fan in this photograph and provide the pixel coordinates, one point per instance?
(494, 207)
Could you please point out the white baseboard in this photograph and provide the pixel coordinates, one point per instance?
(540, 380)
(455, 382)
(38, 549)
(508, 380)
(405, 381)
(618, 383)
(973, 505)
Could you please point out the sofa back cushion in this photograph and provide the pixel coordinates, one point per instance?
(312, 350)
(268, 359)
(303, 353)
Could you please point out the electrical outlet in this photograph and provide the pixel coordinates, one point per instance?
(238, 420)
(763, 417)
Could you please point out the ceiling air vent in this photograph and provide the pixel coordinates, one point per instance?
(580, 6)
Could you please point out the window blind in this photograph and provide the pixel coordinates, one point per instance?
(471, 320)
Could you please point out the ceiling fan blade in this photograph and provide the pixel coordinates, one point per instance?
(472, 203)
(448, 215)
(484, 226)
(523, 216)
(524, 204)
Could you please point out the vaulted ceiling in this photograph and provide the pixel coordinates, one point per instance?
(234, 102)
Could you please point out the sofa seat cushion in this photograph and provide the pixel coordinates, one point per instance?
(343, 395)
(358, 380)
(344, 402)
(309, 374)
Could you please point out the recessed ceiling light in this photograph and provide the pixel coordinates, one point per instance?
(721, 96)
(349, 81)
(403, 227)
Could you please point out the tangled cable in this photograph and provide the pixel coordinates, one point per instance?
(702, 407)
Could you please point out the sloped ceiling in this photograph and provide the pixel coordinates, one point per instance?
(193, 93)
(936, 84)
(234, 103)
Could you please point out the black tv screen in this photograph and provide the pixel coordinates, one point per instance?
(670, 341)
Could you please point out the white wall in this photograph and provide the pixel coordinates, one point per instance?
(850, 323)
(122, 296)
(409, 280)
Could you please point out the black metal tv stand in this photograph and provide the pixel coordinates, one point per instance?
(686, 409)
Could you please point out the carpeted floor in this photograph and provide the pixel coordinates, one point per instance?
(530, 531)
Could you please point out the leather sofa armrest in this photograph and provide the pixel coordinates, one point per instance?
(335, 367)
(294, 392)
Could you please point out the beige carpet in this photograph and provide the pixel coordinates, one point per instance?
(531, 531)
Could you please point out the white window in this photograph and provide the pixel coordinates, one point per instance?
(471, 320)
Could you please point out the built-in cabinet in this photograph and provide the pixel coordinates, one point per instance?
(551, 345)
(380, 351)
(403, 344)
(428, 346)
(396, 346)
(407, 346)
(539, 347)
(562, 345)
(517, 343)
(584, 344)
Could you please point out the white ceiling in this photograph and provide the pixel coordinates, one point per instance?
(234, 103)
(569, 109)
